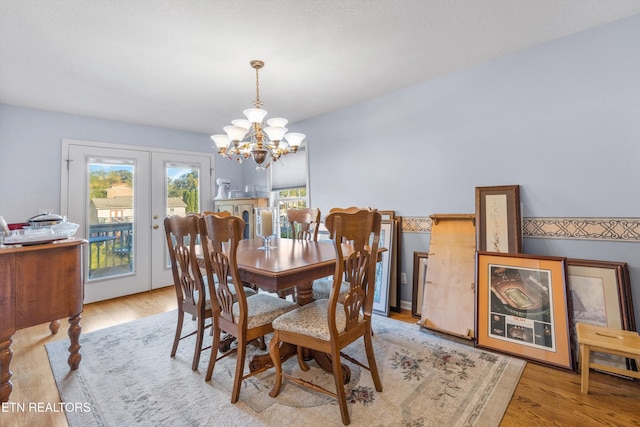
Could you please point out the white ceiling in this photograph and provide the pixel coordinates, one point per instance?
(185, 64)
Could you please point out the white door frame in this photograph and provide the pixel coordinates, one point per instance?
(151, 238)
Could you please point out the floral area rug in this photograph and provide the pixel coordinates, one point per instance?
(127, 378)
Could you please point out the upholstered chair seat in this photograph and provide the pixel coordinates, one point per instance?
(312, 320)
(322, 289)
(262, 309)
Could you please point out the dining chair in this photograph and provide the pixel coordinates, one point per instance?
(329, 326)
(304, 224)
(182, 235)
(247, 319)
(322, 287)
(221, 214)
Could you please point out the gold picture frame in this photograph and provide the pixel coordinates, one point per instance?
(522, 307)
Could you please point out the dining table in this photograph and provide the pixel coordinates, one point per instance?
(287, 263)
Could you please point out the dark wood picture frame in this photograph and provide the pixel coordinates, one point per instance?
(522, 307)
(600, 294)
(419, 278)
(498, 219)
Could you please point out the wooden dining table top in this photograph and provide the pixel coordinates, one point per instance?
(289, 262)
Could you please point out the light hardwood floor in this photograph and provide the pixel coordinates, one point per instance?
(544, 397)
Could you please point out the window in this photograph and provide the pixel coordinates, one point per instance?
(289, 186)
(293, 198)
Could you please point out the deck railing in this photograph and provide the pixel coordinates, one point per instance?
(110, 249)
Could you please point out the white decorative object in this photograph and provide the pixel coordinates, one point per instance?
(223, 188)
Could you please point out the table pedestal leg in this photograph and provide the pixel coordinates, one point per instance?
(304, 293)
(263, 361)
(324, 361)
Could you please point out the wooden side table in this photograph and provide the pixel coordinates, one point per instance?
(606, 340)
(39, 284)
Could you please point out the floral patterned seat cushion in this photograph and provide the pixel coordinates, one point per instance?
(311, 319)
(263, 309)
(322, 289)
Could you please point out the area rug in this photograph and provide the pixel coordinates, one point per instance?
(127, 378)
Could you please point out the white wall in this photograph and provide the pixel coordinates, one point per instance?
(30, 153)
(562, 120)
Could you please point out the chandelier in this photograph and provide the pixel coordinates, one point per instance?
(249, 138)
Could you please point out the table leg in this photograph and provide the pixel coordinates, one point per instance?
(74, 336)
(54, 326)
(6, 354)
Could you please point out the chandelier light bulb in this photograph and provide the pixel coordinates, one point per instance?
(278, 122)
(255, 115)
(294, 139)
(221, 141)
(275, 133)
(243, 123)
(235, 133)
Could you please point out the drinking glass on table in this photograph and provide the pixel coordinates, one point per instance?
(266, 226)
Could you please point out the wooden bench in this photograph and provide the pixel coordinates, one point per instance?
(606, 340)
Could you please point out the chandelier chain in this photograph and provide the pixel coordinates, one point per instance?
(257, 103)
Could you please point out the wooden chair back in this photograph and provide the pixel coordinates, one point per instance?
(221, 214)
(182, 236)
(356, 261)
(220, 237)
(304, 223)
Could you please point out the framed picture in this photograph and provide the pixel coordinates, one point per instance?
(387, 215)
(600, 294)
(498, 221)
(522, 307)
(383, 269)
(419, 279)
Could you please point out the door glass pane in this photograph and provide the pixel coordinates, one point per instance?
(111, 217)
(183, 193)
(183, 188)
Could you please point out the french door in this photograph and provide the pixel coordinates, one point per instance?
(120, 196)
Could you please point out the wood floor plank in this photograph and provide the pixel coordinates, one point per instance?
(544, 397)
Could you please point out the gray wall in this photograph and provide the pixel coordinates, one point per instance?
(562, 120)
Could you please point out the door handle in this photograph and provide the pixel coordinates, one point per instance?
(156, 226)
